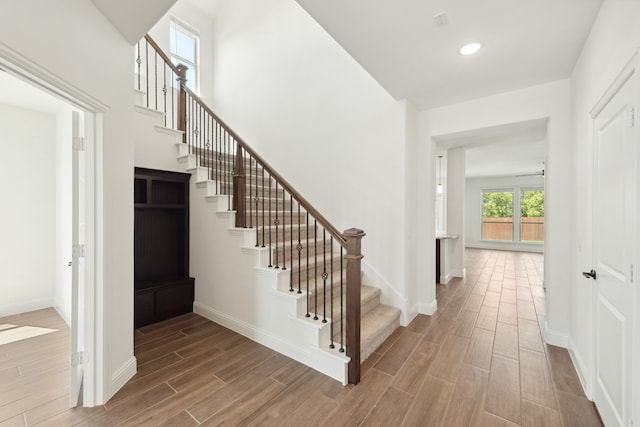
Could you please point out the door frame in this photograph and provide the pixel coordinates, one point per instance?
(92, 323)
(630, 71)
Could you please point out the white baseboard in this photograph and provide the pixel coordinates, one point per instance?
(123, 374)
(505, 246)
(322, 361)
(428, 308)
(65, 316)
(581, 370)
(23, 307)
(411, 314)
(554, 337)
(446, 279)
(459, 273)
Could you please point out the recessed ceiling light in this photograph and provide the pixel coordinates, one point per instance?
(470, 48)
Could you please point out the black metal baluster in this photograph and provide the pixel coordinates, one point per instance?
(290, 238)
(174, 125)
(299, 249)
(331, 345)
(324, 275)
(139, 62)
(192, 120)
(196, 132)
(341, 302)
(249, 198)
(270, 224)
(276, 222)
(244, 193)
(307, 315)
(207, 156)
(315, 268)
(187, 125)
(204, 156)
(263, 223)
(228, 177)
(256, 199)
(284, 229)
(217, 171)
(233, 164)
(164, 90)
(146, 64)
(156, 77)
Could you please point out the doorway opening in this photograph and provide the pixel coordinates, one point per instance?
(48, 309)
(493, 192)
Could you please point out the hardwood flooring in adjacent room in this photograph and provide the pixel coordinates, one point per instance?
(34, 372)
(479, 362)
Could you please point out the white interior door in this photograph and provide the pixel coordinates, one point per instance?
(614, 249)
(77, 266)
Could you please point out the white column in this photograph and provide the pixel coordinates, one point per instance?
(455, 195)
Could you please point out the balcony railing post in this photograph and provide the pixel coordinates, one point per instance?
(353, 259)
(239, 188)
(182, 101)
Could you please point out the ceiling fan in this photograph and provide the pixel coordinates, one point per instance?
(540, 173)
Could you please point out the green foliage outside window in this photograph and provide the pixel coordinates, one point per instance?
(497, 204)
(532, 204)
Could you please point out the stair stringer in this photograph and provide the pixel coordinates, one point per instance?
(234, 290)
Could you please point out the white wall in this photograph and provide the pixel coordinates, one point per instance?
(424, 224)
(27, 217)
(551, 101)
(413, 260)
(63, 194)
(73, 41)
(614, 38)
(473, 209)
(284, 85)
(203, 24)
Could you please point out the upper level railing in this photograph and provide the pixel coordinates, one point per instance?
(324, 263)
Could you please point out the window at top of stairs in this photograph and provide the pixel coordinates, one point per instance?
(184, 43)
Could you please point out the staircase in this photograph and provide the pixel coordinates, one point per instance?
(302, 275)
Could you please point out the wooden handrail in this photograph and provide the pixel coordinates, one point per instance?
(349, 240)
(283, 182)
(162, 54)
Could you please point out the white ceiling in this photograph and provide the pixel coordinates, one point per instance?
(209, 7)
(504, 159)
(133, 18)
(18, 93)
(507, 150)
(524, 43)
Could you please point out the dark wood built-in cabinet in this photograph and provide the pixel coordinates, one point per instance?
(163, 288)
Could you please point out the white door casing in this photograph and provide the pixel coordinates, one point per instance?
(77, 266)
(614, 251)
(93, 328)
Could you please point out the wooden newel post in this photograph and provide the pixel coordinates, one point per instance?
(353, 259)
(238, 189)
(182, 101)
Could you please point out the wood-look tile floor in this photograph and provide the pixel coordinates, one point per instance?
(479, 362)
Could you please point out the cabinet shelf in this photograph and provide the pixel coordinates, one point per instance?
(162, 286)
